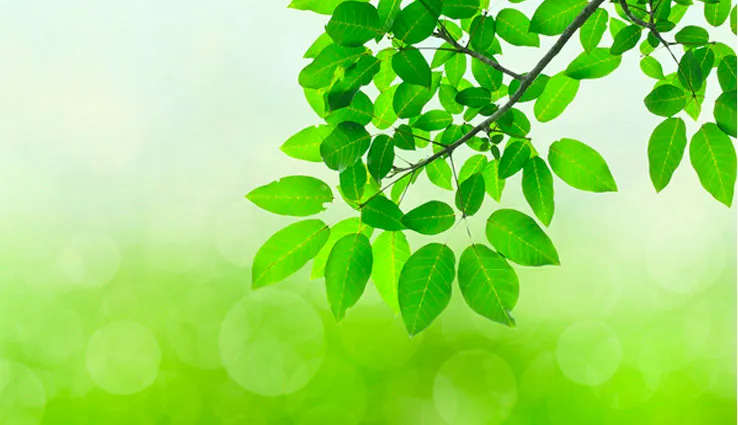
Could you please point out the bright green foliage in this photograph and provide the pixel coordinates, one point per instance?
(533, 91)
(287, 251)
(488, 283)
(384, 111)
(455, 68)
(415, 22)
(493, 184)
(482, 33)
(518, 237)
(514, 159)
(409, 100)
(357, 75)
(626, 39)
(353, 180)
(727, 73)
(390, 251)
(381, 213)
(725, 112)
(298, 196)
(434, 120)
(424, 289)
(514, 123)
(717, 13)
(470, 195)
(513, 26)
(714, 159)
(337, 231)
(321, 70)
(305, 144)
(431, 218)
(325, 7)
(553, 16)
(652, 68)
(538, 189)
(476, 97)
(381, 157)
(360, 111)
(475, 164)
(665, 100)
(692, 35)
(580, 166)
(387, 11)
(353, 23)
(347, 271)
(404, 138)
(459, 9)
(665, 150)
(447, 97)
(411, 66)
(344, 146)
(439, 173)
(690, 74)
(486, 76)
(592, 31)
(559, 92)
(596, 64)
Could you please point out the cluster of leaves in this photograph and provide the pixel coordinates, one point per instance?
(430, 105)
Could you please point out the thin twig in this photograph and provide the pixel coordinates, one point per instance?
(443, 35)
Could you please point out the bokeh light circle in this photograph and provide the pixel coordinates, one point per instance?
(475, 387)
(272, 342)
(589, 353)
(123, 357)
(87, 261)
(22, 399)
(49, 331)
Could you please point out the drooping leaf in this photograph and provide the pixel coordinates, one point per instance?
(460, 9)
(381, 157)
(713, 157)
(381, 213)
(439, 173)
(384, 110)
(287, 251)
(476, 97)
(727, 73)
(384, 78)
(665, 151)
(596, 64)
(513, 26)
(652, 68)
(665, 100)
(391, 251)
(409, 100)
(305, 144)
(580, 166)
(514, 158)
(518, 237)
(411, 66)
(297, 196)
(538, 189)
(559, 92)
(553, 16)
(430, 218)
(404, 138)
(320, 72)
(690, 73)
(725, 112)
(415, 22)
(717, 13)
(434, 120)
(486, 76)
(344, 146)
(692, 35)
(470, 196)
(493, 184)
(455, 68)
(424, 289)
(626, 39)
(593, 29)
(482, 33)
(337, 231)
(475, 164)
(347, 271)
(488, 283)
(706, 59)
(353, 179)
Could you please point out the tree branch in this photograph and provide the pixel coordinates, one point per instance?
(476, 55)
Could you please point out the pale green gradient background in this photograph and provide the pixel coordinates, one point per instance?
(130, 132)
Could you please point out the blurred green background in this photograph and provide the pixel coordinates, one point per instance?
(130, 132)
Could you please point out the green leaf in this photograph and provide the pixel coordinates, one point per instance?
(692, 35)
(415, 23)
(705, 58)
(690, 74)
(734, 20)
(439, 173)
(626, 39)
(665, 100)
(717, 13)
(384, 110)
(431, 218)
(713, 157)
(353, 179)
(725, 112)
(488, 283)
(320, 72)
(475, 97)
(652, 68)
(482, 33)
(474, 164)
(381, 213)
(360, 74)
(538, 189)
(616, 25)
(665, 151)
(347, 271)
(591, 32)
(580, 166)
(337, 231)
(344, 146)
(727, 73)
(360, 111)
(513, 27)
(455, 68)
(460, 9)
(381, 157)
(444, 53)
(411, 66)
(297, 196)
(318, 45)
(493, 184)
(515, 123)
(386, 75)
(559, 92)
(424, 289)
(518, 237)
(353, 23)
(305, 144)
(391, 251)
(398, 189)
(287, 251)
(486, 76)
(533, 91)
(447, 97)
(388, 11)
(324, 7)
(434, 120)
(470, 196)
(553, 16)
(514, 158)
(596, 64)
(404, 138)
(410, 99)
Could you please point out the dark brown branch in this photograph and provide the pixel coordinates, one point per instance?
(443, 35)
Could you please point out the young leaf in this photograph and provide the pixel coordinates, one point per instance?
(593, 29)
(482, 33)
(455, 68)
(439, 173)
(665, 151)
(725, 112)
(514, 123)
(411, 66)
(360, 111)
(415, 22)
(434, 120)
(384, 78)
(470, 195)
(486, 76)
(713, 157)
(596, 64)
(513, 26)
(390, 251)
(520, 239)
(305, 144)
(580, 166)
(287, 251)
(553, 16)
(665, 100)
(337, 231)
(318, 45)
(381, 213)
(347, 271)
(475, 164)
(493, 184)
(431, 218)
(410, 99)
(460, 9)
(298, 196)
(692, 35)
(717, 13)
(559, 92)
(447, 97)
(727, 73)
(424, 290)
(538, 189)
(652, 68)
(488, 283)
(344, 146)
(353, 179)
(514, 159)
(626, 39)
(320, 72)
(381, 157)
(384, 111)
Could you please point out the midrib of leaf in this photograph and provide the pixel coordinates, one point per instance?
(560, 12)
(668, 151)
(514, 235)
(346, 273)
(425, 290)
(292, 251)
(594, 27)
(718, 169)
(554, 99)
(540, 190)
(574, 162)
(482, 269)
